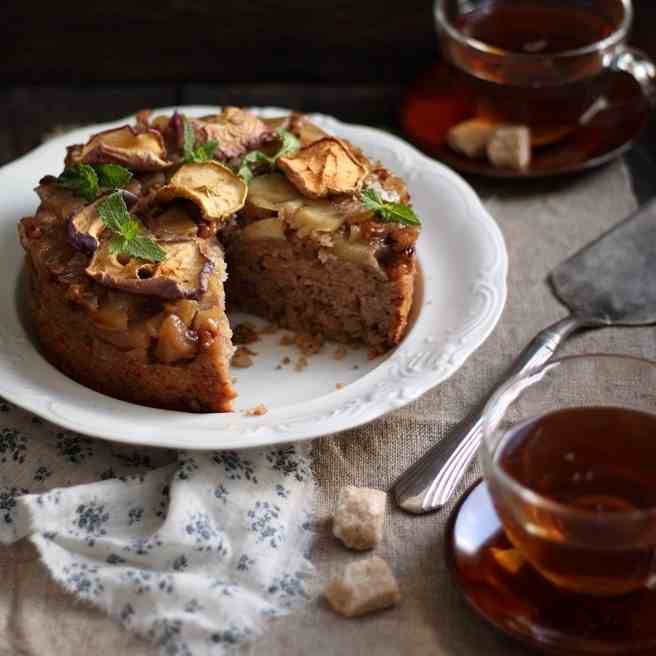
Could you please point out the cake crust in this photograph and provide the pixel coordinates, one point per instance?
(71, 344)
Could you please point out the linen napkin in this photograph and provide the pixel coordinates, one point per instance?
(193, 551)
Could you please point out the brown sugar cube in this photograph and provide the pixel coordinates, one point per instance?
(471, 137)
(359, 517)
(510, 147)
(365, 586)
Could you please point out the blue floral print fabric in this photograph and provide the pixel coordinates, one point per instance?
(194, 551)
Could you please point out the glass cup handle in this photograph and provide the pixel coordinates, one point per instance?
(637, 64)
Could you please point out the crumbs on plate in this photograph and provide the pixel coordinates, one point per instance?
(257, 411)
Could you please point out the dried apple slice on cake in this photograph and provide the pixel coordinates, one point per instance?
(136, 150)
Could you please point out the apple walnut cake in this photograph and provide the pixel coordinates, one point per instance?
(149, 230)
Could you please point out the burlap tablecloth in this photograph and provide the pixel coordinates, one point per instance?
(542, 224)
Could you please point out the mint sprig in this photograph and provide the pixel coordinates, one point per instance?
(245, 169)
(191, 151)
(82, 180)
(113, 176)
(388, 211)
(127, 239)
(289, 143)
(87, 181)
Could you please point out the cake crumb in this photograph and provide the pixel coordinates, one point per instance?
(257, 411)
(245, 333)
(269, 329)
(309, 344)
(242, 359)
(356, 367)
(286, 360)
(339, 386)
(340, 353)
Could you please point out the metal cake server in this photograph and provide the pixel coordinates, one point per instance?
(610, 282)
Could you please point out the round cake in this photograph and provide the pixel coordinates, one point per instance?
(151, 229)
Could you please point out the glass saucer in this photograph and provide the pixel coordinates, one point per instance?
(512, 596)
(440, 99)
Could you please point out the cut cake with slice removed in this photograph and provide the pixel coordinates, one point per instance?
(131, 246)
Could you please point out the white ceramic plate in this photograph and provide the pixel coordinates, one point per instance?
(460, 297)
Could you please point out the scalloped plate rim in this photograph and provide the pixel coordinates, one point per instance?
(368, 398)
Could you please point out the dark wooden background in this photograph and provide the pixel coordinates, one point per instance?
(79, 62)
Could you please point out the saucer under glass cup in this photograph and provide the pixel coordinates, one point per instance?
(562, 68)
(556, 546)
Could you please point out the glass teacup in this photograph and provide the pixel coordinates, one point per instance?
(569, 456)
(543, 63)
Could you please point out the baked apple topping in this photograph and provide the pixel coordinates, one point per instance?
(271, 228)
(136, 150)
(325, 168)
(173, 222)
(234, 130)
(267, 194)
(313, 216)
(214, 188)
(306, 131)
(176, 342)
(85, 226)
(183, 273)
(60, 202)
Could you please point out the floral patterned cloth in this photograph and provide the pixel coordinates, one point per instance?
(194, 551)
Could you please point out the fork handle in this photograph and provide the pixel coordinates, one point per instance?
(428, 484)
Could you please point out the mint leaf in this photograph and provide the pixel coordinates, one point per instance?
(113, 212)
(113, 176)
(289, 143)
(193, 152)
(188, 140)
(245, 171)
(205, 152)
(140, 247)
(126, 228)
(87, 181)
(117, 245)
(81, 180)
(388, 211)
